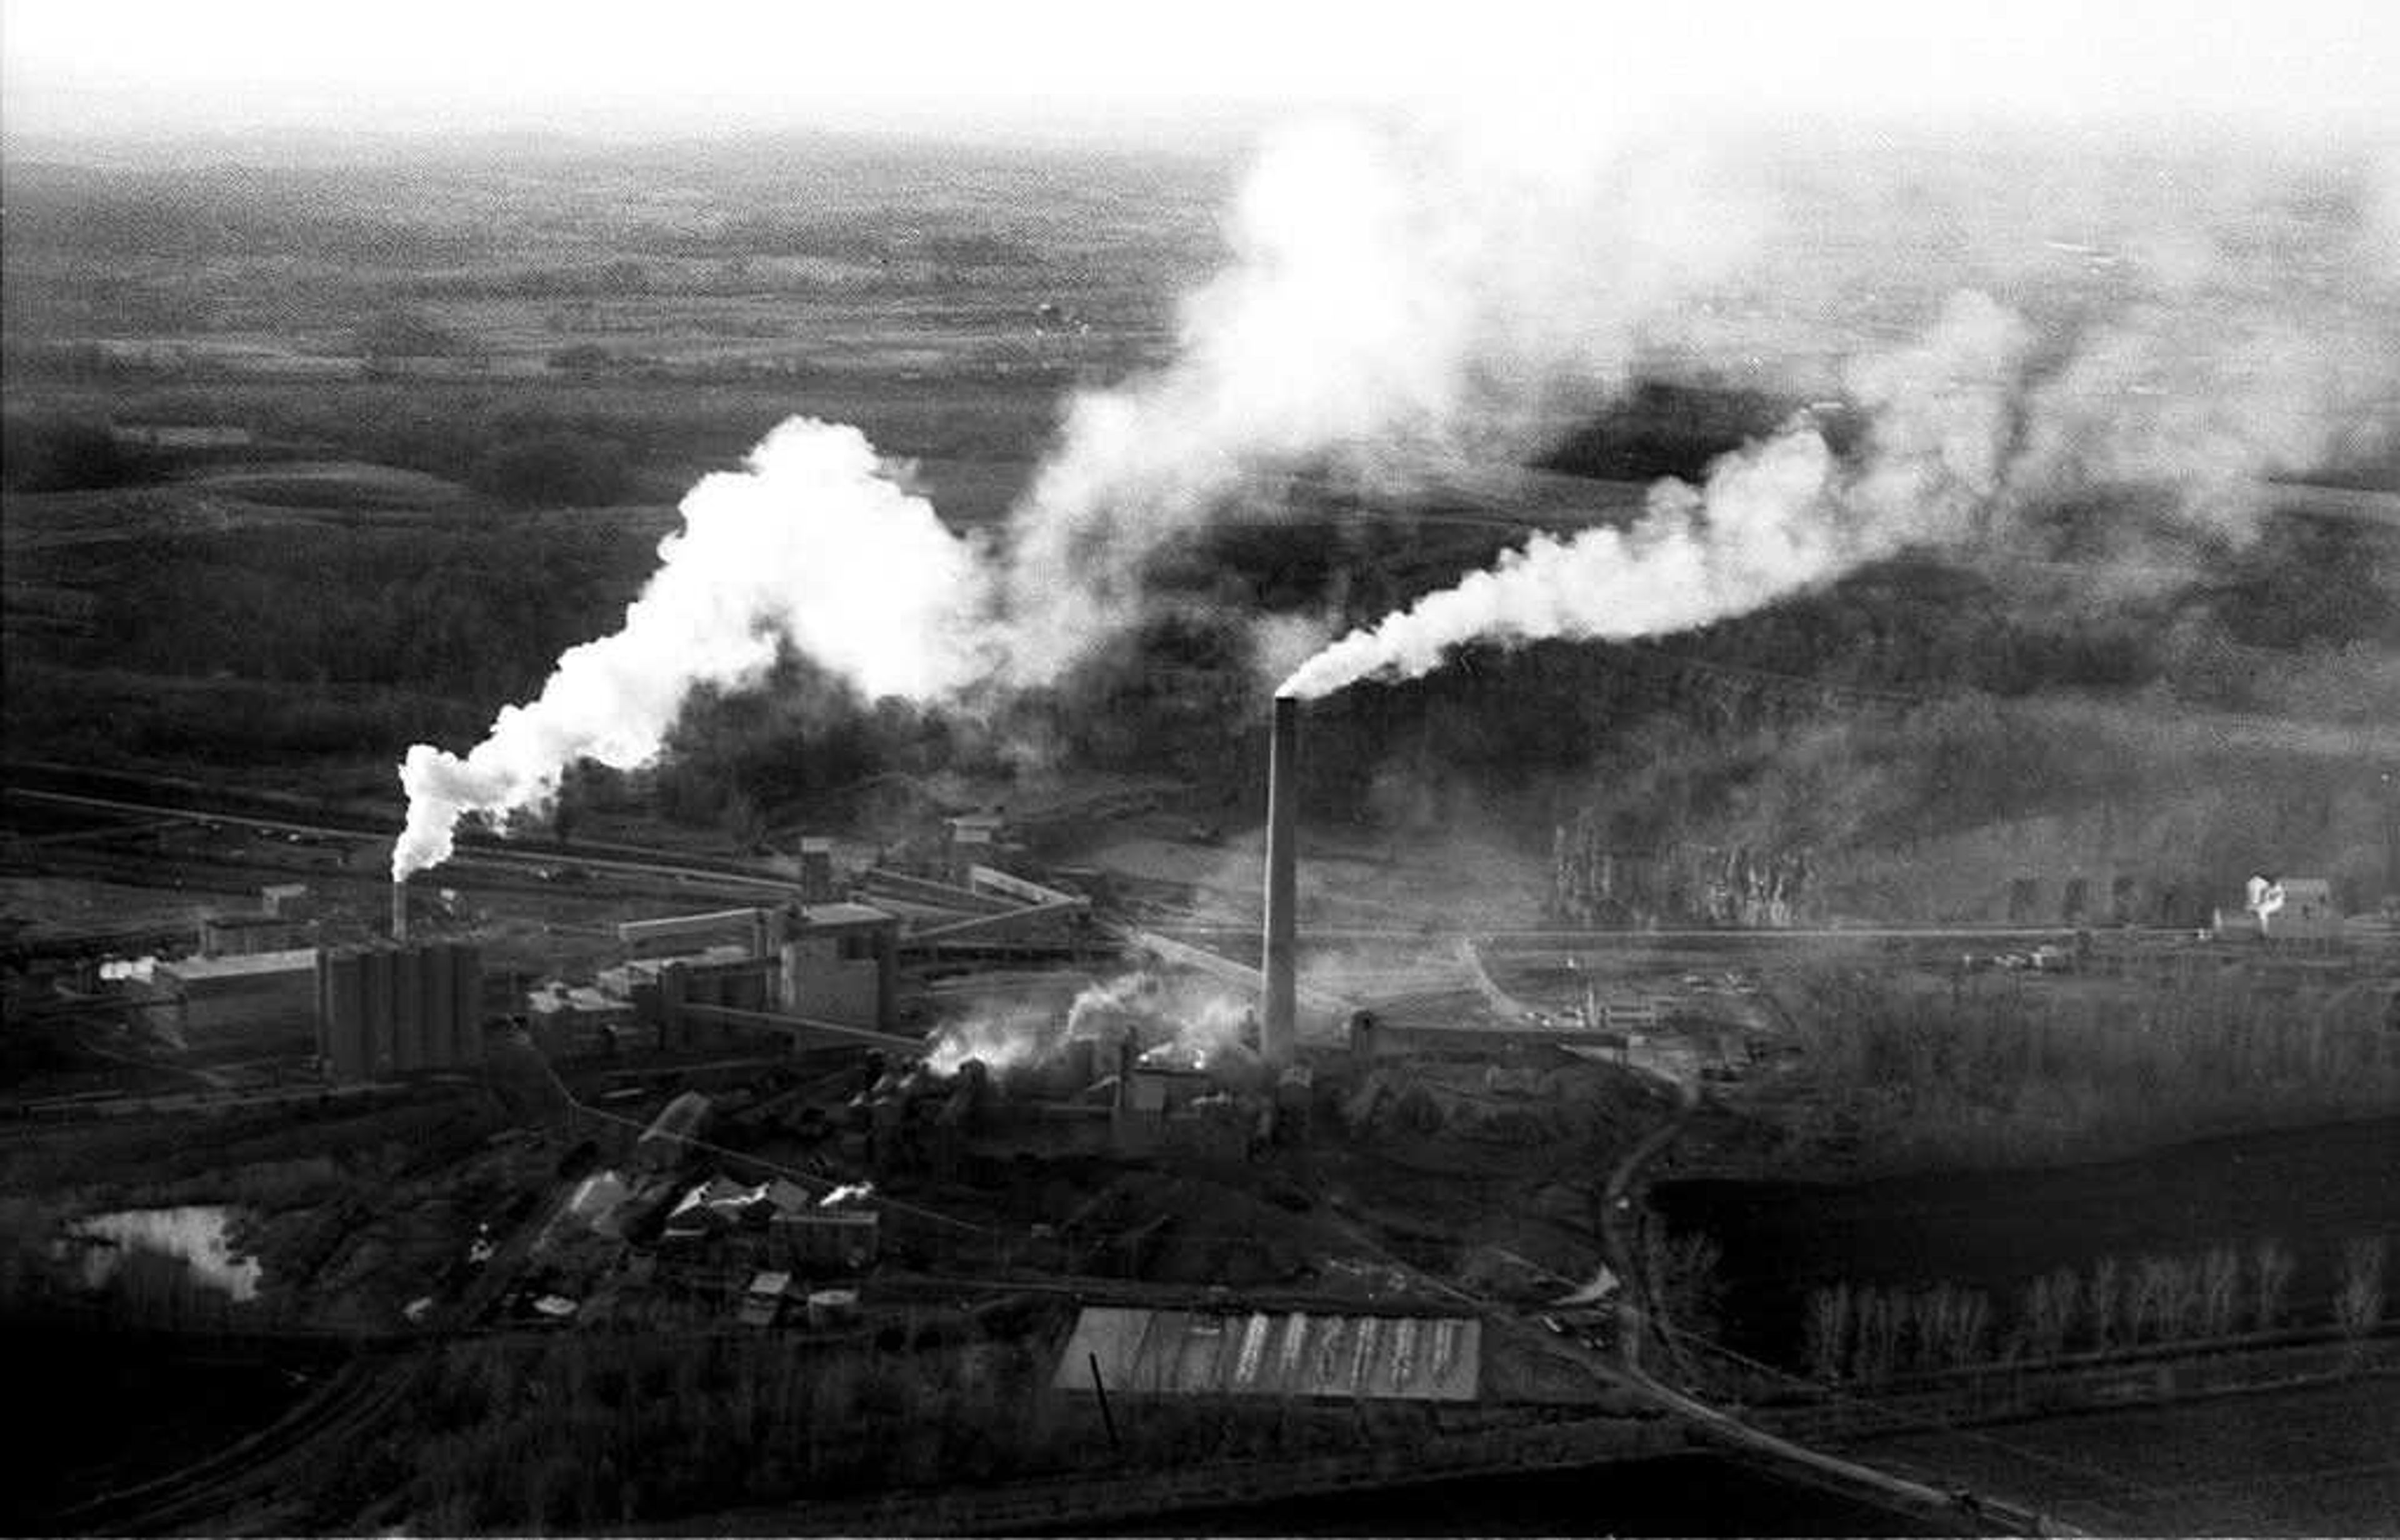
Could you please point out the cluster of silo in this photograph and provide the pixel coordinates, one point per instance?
(385, 1010)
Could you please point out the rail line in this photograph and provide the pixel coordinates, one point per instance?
(472, 848)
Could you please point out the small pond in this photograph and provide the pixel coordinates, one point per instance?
(199, 1234)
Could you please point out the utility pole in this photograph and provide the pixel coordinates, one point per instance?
(1107, 1419)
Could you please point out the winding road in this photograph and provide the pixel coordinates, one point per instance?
(1635, 1318)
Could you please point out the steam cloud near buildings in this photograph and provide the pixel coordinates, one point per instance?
(1403, 301)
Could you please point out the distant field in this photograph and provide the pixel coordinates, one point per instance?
(332, 484)
(2311, 1187)
(2320, 1461)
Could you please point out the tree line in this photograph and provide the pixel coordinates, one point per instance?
(1870, 1336)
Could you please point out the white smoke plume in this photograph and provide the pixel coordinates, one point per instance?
(1400, 300)
(1188, 1021)
(1968, 433)
(814, 544)
(1405, 301)
(1003, 1039)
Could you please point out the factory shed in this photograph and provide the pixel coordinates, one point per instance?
(668, 1140)
(2309, 908)
(385, 1010)
(762, 1302)
(755, 932)
(840, 964)
(252, 990)
(819, 1238)
(246, 935)
(599, 1201)
(2304, 910)
(817, 869)
(713, 1207)
(577, 1021)
(683, 1006)
(1144, 1352)
(971, 841)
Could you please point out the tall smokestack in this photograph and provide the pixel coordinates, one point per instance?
(1275, 1031)
(400, 910)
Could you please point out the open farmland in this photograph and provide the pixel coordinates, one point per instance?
(2312, 1188)
(2320, 1461)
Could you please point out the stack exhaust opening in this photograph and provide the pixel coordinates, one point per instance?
(1276, 1024)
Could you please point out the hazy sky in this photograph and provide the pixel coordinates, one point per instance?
(139, 65)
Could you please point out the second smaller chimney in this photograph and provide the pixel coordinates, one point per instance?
(400, 911)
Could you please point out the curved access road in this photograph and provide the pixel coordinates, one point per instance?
(1633, 1320)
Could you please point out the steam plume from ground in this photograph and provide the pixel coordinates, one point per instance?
(1192, 1021)
(1404, 302)
(1399, 299)
(814, 544)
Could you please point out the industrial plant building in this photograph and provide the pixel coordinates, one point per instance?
(730, 976)
(1141, 1352)
(252, 992)
(384, 1009)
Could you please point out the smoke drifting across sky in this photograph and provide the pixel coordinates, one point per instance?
(1971, 434)
(1771, 518)
(1406, 299)
(1400, 299)
(812, 543)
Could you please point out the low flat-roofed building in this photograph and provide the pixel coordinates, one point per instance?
(1145, 1352)
(178, 435)
(840, 964)
(2294, 909)
(664, 1144)
(819, 1240)
(266, 989)
(762, 1302)
(970, 840)
(817, 869)
(245, 934)
(577, 1021)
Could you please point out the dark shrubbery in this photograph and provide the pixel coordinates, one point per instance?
(555, 470)
(408, 334)
(2004, 1076)
(46, 451)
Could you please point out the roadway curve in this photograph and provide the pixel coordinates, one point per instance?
(1634, 1317)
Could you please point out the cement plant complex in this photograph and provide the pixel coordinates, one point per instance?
(1395, 828)
(961, 1091)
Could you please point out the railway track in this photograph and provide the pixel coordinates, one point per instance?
(474, 849)
(345, 1406)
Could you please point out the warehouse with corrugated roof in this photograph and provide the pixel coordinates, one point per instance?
(1274, 1353)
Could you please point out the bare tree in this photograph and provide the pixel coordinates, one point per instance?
(1911, 1311)
(1877, 1339)
(2151, 1300)
(2183, 1296)
(2270, 1282)
(2104, 1303)
(2358, 1299)
(1970, 1322)
(1829, 1331)
(2220, 1291)
(2049, 1312)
